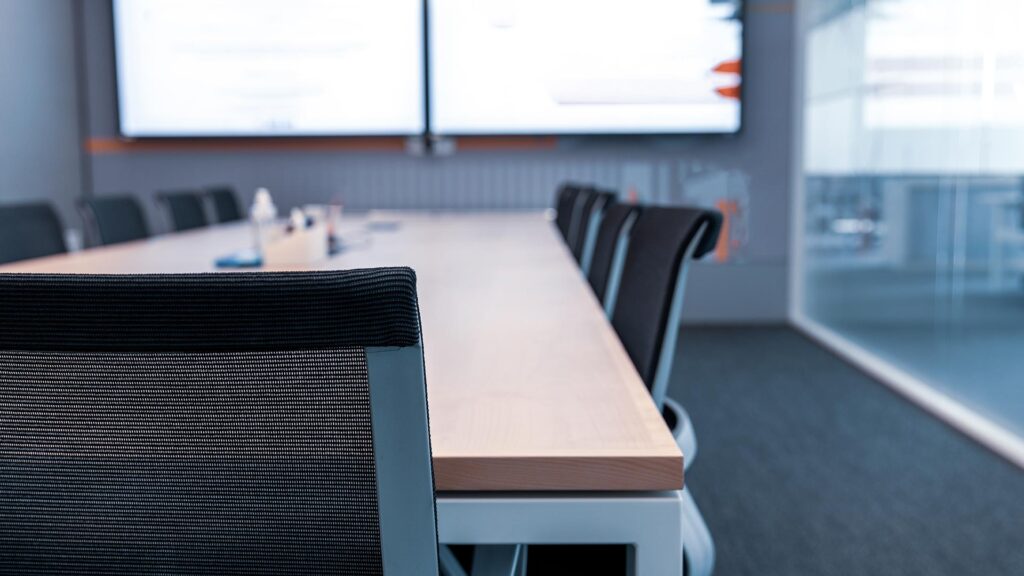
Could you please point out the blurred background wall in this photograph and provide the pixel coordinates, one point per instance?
(40, 131)
(747, 174)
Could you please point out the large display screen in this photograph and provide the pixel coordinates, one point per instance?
(270, 67)
(585, 66)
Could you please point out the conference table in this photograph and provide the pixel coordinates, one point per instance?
(541, 429)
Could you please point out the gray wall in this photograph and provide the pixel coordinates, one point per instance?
(39, 132)
(753, 166)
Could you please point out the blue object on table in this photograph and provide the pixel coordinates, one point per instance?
(248, 258)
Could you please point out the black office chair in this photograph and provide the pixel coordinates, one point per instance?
(268, 423)
(645, 251)
(646, 313)
(184, 209)
(584, 196)
(225, 204)
(610, 251)
(30, 230)
(650, 293)
(591, 209)
(565, 205)
(114, 219)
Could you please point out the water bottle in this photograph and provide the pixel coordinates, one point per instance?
(262, 214)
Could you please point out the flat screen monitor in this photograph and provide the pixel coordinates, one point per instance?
(197, 68)
(585, 66)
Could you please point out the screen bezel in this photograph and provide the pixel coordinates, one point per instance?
(625, 134)
(427, 102)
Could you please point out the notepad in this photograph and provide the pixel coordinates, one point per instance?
(248, 258)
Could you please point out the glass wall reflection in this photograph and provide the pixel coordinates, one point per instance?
(913, 177)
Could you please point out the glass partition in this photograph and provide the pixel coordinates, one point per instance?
(911, 186)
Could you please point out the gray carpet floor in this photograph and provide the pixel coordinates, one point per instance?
(806, 466)
(967, 340)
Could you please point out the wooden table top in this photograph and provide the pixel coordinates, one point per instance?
(528, 385)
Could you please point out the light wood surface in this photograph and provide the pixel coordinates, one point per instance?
(528, 385)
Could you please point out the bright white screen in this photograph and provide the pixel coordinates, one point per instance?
(269, 67)
(584, 66)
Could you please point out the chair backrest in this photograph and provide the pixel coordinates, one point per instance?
(115, 219)
(30, 230)
(262, 423)
(650, 293)
(584, 197)
(184, 209)
(225, 204)
(590, 213)
(565, 205)
(609, 253)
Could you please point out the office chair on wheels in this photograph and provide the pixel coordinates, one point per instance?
(644, 296)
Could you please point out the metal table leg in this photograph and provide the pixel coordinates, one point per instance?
(650, 522)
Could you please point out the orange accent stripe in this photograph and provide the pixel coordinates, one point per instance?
(729, 67)
(729, 92)
(117, 145)
(506, 143)
(723, 249)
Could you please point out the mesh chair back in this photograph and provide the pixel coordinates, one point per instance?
(584, 197)
(185, 210)
(610, 247)
(650, 292)
(115, 219)
(28, 231)
(566, 206)
(212, 424)
(590, 211)
(225, 204)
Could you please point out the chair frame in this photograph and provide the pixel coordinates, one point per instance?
(668, 347)
(92, 234)
(401, 445)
